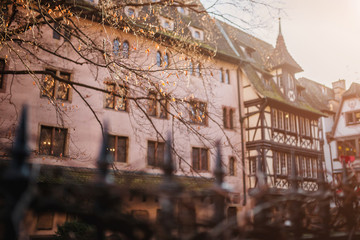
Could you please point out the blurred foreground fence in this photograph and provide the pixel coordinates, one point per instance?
(329, 213)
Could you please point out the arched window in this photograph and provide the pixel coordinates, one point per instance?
(166, 60)
(191, 68)
(227, 77)
(232, 166)
(131, 12)
(125, 49)
(158, 59)
(198, 69)
(116, 47)
(221, 75)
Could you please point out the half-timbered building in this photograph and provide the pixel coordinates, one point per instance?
(279, 123)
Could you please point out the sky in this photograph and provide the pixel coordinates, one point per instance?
(323, 36)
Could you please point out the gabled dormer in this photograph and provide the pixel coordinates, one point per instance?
(283, 67)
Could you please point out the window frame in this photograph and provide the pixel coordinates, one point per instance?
(158, 59)
(227, 76)
(116, 150)
(125, 49)
(198, 166)
(52, 140)
(160, 109)
(221, 75)
(56, 31)
(116, 47)
(166, 60)
(198, 69)
(232, 166)
(114, 101)
(157, 161)
(353, 114)
(252, 166)
(195, 118)
(228, 117)
(57, 85)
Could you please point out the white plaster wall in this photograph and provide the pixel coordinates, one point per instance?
(83, 129)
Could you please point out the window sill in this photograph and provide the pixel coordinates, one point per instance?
(112, 109)
(352, 124)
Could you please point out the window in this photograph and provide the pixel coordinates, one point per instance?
(198, 70)
(302, 126)
(52, 141)
(2, 68)
(182, 10)
(346, 148)
(221, 75)
(232, 166)
(281, 163)
(130, 12)
(352, 118)
(287, 121)
(56, 31)
(53, 88)
(228, 114)
(45, 221)
(200, 159)
(116, 47)
(156, 152)
(125, 49)
(191, 67)
(281, 120)
(291, 82)
(252, 166)
(158, 59)
(227, 77)
(314, 167)
(157, 107)
(118, 148)
(152, 104)
(197, 34)
(141, 215)
(289, 163)
(307, 127)
(308, 168)
(166, 60)
(118, 102)
(232, 214)
(292, 123)
(274, 118)
(198, 112)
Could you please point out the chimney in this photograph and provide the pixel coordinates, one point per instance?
(339, 89)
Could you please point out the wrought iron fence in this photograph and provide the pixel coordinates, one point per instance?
(328, 213)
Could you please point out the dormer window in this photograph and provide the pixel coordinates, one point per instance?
(323, 89)
(167, 23)
(249, 51)
(182, 11)
(197, 33)
(131, 12)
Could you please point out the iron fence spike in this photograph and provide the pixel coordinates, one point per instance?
(105, 158)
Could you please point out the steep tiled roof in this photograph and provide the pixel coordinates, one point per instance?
(242, 40)
(257, 63)
(281, 56)
(316, 94)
